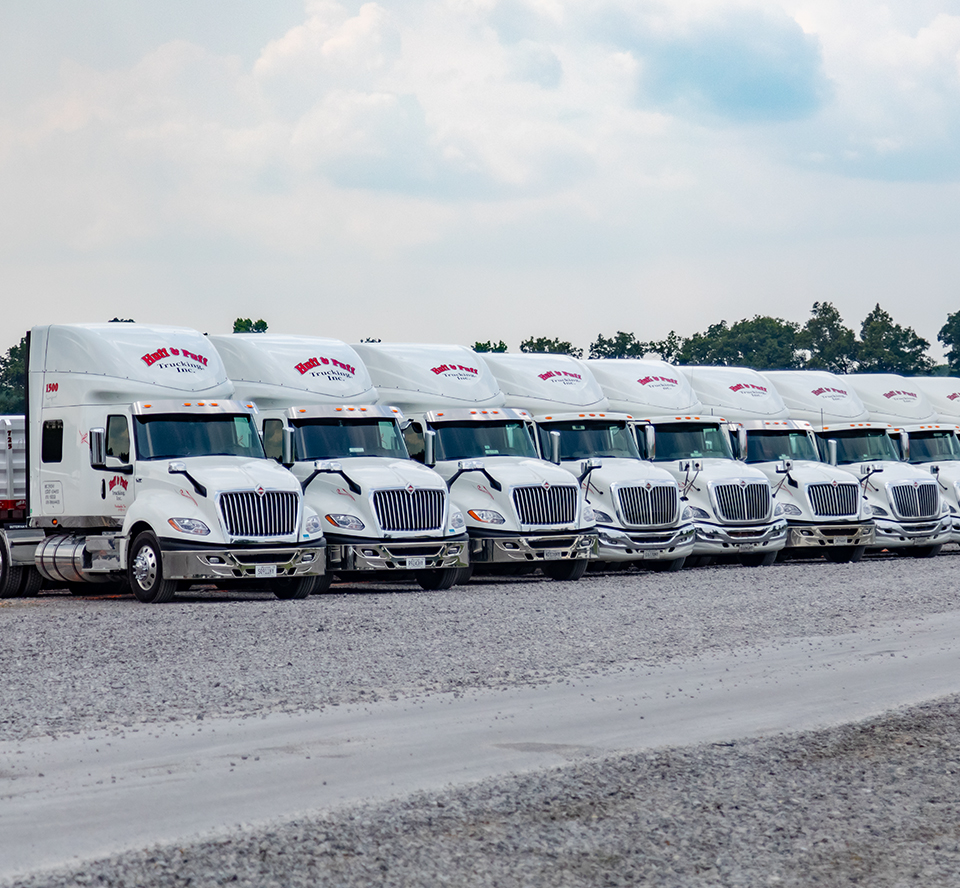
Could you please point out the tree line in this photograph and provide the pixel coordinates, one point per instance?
(824, 342)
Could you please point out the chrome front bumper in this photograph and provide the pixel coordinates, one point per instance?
(243, 564)
(619, 545)
(894, 534)
(713, 539)
(533, 549)
(807, 536)
(395, 555)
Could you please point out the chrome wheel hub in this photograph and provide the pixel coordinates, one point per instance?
(145, 568)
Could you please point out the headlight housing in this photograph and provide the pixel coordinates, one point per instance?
(602, 517)
(189, 525)
(457, 521)
(589, 516)
(486, 516)
(346, 522)
(787, 509)
(692, 513)
(878, 510)
(312, 524)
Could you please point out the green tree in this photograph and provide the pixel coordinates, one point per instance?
(669, 348)
(551, 346)
(245, 325)
(13, 378)
(490, 346)
(949, 336)
(761, 342)
(886, 347)
(623, 345)
(831, 345)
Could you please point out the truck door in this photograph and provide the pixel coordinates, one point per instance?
(117, 489)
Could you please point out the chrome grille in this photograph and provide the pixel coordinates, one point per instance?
(921, 501)
(248, 514)
(401, 509)
(750, 502)
(834, 502)
(550, 505)
(645, 508)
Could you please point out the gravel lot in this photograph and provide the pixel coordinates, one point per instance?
(873, 804)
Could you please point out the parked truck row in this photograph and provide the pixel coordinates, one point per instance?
(155, 457)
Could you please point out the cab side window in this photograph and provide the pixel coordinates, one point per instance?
(51, 441)
(413, 438)
(118, 438)
(273, 439)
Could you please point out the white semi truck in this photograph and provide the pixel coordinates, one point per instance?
(931, 441)
(637, 505)
(384, 513)
(731, 503)
(824, 507)
(521, 512)
(905, 503)
(142, 469)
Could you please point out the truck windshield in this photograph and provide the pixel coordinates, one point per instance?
(343, 438)
(690, 441)
(475, 440)
(171, 436)
(584, 439)
(866, 445)
(766, 446)
(933, 446)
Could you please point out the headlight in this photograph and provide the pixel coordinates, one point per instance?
(787, 509)
(602, 517)
(867, 510)
(877, 510)
(456, 519)
(589, 516)
(692, 513)
(312, 524)
(189, 525)
(347, 522)
(485, 516)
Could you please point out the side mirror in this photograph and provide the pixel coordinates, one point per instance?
(905, 444)
(697, 465)
(555, 447)
(286, 447)
(742, 442)
(177, 468)
(650, 435)
(832, 452)
(785, 467)
(98, 448)
(429, 448)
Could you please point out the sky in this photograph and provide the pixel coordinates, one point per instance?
(469, 170)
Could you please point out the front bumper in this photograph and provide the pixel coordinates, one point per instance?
(488, 548)
(715, 539)
(241, 563)
(351, 554)
(615, 544)
(899, 534)
(955, 528)
(808, 536)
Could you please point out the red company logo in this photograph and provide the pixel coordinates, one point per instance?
(894, 393)
(648, 379)
(953, 397)
(826, 389)
(550, 374)
(740, 386)
(161, 353)
(317, 362)
(445, 368)
(118, 481)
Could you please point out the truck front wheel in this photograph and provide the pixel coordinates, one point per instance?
(294, 588)
(10, 576)
(845, 554)
(439, 579)
(145, 571)
(565, 570)
(757, 559)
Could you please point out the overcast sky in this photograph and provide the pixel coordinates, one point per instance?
(455, 170)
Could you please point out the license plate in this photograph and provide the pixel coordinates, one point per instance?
(416, 563)
(749, 547)
(552, 554)
(265, 571)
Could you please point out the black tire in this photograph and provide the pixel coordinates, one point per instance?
(30, 582)
(757, 559)
(322, 584)
(145, 571)
(463, 575)
(667, 566)
(845, 554)
(925, 551)
(293, 588)
(439, 579)
(699, 560)
(565, 570)
(11, 576)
